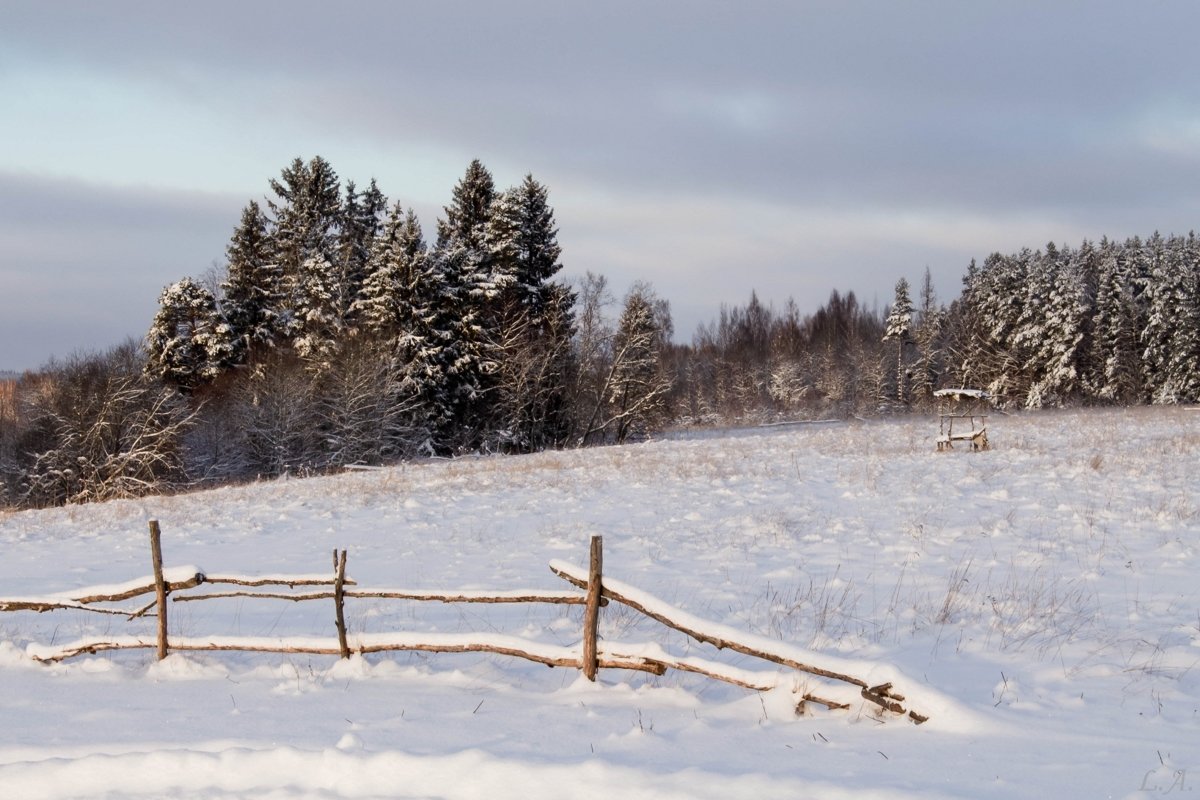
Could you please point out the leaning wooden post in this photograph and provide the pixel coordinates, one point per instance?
(339, 598)
(591, 613)
(160, 587)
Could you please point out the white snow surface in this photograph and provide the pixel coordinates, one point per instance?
(1039, 601)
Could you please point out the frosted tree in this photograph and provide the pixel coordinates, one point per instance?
(927, 335)
(391, 303)
(522, 240)
(1058, 349)
(531, 327)
(1030, 354)
(592, 352)
(188, 343)
(1155, 274)
(634, 392)
(1116, 363)
(252, 296)
(839, 333)
(996, 297)
(470, 208)
(740, 347)
(467, 310)
(790, 381)
(1171, 338)
(1183, 368)
(898, 329)
(319, 325)
(535, 367)
(274, 413)
(363, 415)
(361, 221)
(307, 211)
(403, 309)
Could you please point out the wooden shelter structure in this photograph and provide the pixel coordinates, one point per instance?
(969, 409)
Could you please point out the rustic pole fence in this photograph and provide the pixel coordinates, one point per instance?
(589, 658)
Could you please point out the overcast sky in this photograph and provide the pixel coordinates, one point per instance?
(708, 148)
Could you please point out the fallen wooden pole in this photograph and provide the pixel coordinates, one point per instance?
(760, 682)
(683, 622)
(718, 642)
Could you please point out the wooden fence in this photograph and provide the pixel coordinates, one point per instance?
(596, 591)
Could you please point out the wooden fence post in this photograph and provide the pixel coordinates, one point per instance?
(591, 613)
(339, 597)
(160, 587)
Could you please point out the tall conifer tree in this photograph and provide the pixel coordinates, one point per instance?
(899, 330)
(307, 212)
(252, 297)
(468, 307)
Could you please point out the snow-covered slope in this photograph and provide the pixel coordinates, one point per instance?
(1041, 599)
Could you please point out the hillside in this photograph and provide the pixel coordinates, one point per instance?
(1039, 600)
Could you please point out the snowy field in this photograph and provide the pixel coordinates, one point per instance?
(1041, 602)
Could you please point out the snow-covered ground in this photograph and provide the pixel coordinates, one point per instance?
(1040, 601)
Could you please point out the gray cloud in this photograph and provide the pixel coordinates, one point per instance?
(819, 144)
(83, 264)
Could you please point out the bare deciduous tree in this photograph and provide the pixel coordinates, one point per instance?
(106, 431)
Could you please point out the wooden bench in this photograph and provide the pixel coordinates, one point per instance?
(977, 438)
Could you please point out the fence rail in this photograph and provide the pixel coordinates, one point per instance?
(837, 685)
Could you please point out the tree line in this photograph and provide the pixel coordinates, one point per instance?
(1114, 323)
(336, 335)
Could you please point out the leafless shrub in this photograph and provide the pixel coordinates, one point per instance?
(101, 431)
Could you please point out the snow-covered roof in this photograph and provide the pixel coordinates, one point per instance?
(976, 393)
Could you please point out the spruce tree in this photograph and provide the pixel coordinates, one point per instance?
(467, 310)
(361, 220)
(1057, 353)
(532, 323)
(1172, 348)
(927, 336)
(188, 344)
(899, 329)
(1004, 299)
(1184, 365)
(252, 298)
(307, 212)
(1117, 376)
(320, 326)
(523, 243)
(1156, 274)
(390, 304)
(466, 220)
